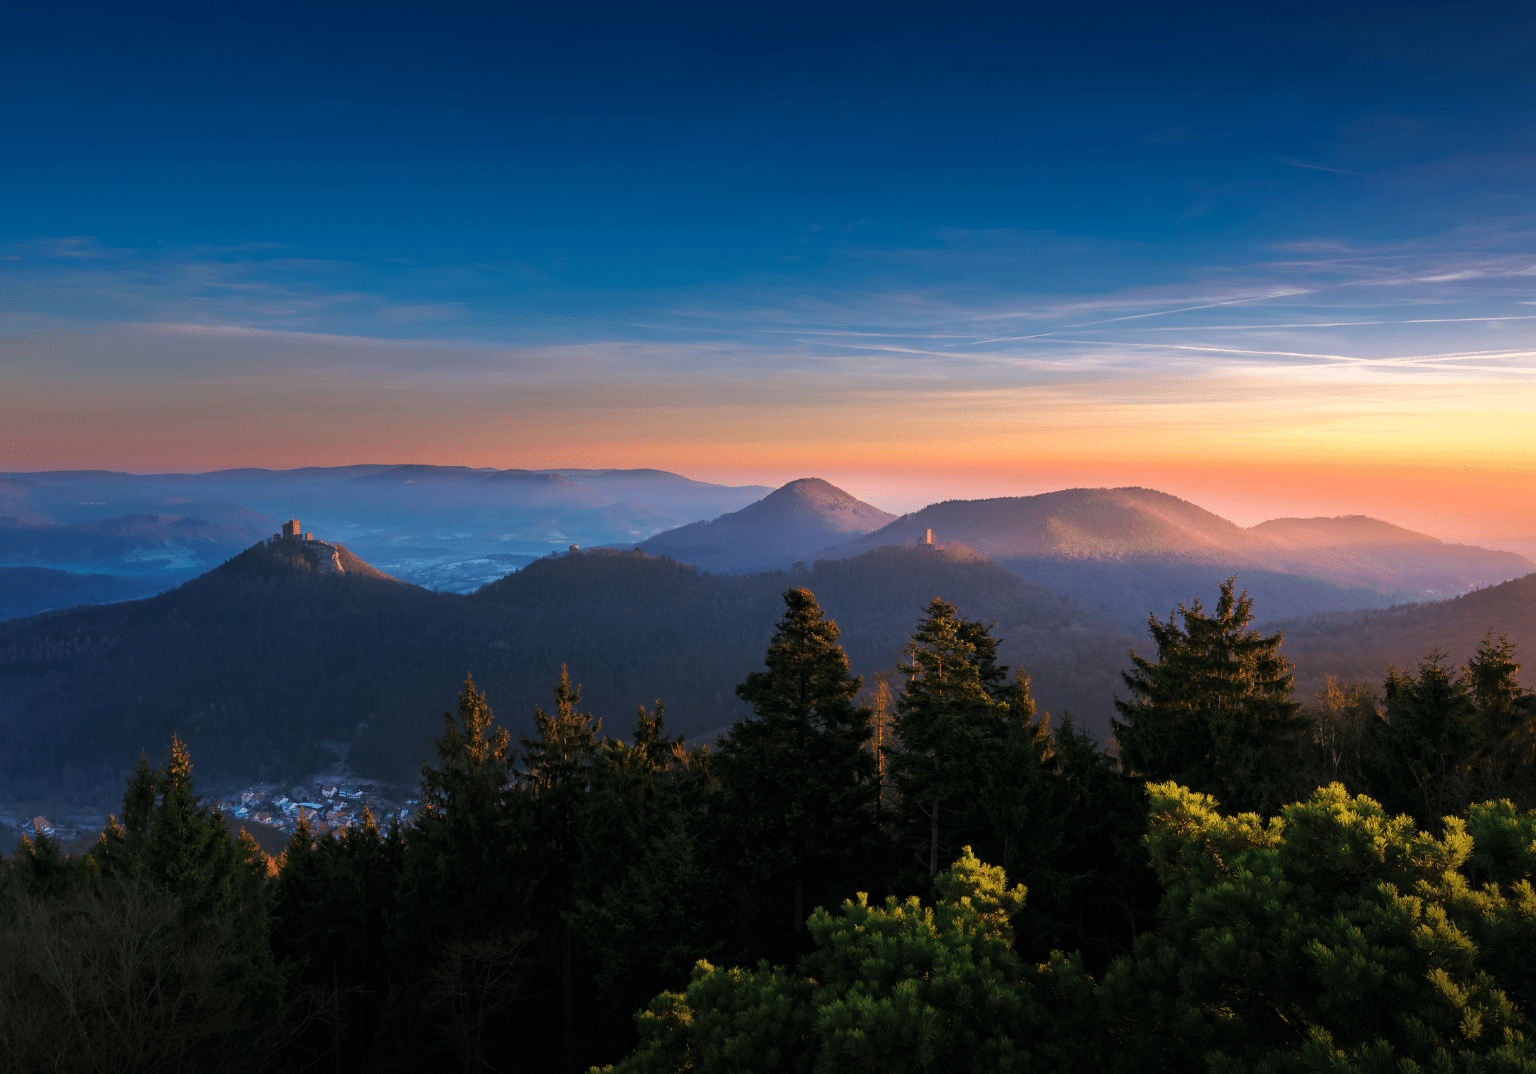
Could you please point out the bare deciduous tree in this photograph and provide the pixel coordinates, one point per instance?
(112, 978)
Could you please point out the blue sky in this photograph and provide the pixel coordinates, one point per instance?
(608, 224)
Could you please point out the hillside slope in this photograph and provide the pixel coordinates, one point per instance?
(256, 663)
(1359, 645)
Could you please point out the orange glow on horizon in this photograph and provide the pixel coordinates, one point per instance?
(1454, 458)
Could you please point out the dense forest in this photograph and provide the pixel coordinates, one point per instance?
(924, 872)
(261, 663)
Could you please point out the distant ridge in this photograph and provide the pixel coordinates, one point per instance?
(788, 524)
(1077, 524)
(1134, 551)
(1341, 531)
(30, 590)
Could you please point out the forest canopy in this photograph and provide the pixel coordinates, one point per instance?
(927, 872)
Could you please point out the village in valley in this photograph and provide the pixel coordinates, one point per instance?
(327, 805)
(331, 803)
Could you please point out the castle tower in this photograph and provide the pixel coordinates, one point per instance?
(928, 538)
(291, 529)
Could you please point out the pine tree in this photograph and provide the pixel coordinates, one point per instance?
(1215, 709)
(953, 718)
(459, 870)
(180, 847)
(798, 783)
(1508, 718)
(554, 782)
(1430, 742)
(898, 987)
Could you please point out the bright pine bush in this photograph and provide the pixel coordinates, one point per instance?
(1334, 937)
(898, 987)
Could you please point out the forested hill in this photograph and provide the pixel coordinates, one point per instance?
(258, 661)
(633, 628)
(1359, 645)
(262, 661)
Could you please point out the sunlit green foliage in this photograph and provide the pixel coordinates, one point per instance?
(903, 987)
(1334, 936)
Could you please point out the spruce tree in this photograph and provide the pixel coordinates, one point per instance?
(333, 896)
(1215, 710)
(463, 895)
(171, 841)
(459, 871)
(650, 892)
(554, 782)
(1430, 742)
(1508, 717)
(799, 785)
(953, 719)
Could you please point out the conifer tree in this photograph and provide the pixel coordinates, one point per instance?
(1215, 708)
(555, 779)
(179, 846)
(959, 725)
(1430, 741)
(799, 784)
(459, 869)
(649, 891)
(333, 897)
(898, 987)
(117, 848)
(42, 869)
(464, 888)
(1508, 716)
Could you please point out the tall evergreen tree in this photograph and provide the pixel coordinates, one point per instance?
(179, 846)
(799, 785)
(954, 720)
(458, 871)
(1508, 717)
(333, 898)
(1215, 709)
(462, 891)
(650, 895)
(1430, 742)
(555, 780)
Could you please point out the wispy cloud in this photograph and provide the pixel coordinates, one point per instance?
(1314, 166)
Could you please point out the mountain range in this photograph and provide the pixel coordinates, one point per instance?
(1131, 552)
(293, 653)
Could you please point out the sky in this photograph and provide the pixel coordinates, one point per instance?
(1279, 259)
